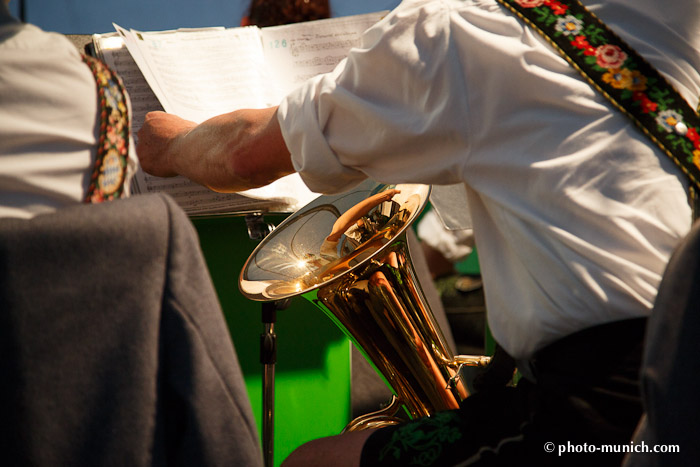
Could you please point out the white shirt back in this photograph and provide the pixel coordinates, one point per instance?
(575, 213)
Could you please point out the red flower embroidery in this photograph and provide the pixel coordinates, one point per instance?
(580, 42)
(556, 6)
(610, 56)
(647, 105)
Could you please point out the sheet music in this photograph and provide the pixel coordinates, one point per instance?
(198, 74)
(294, 54)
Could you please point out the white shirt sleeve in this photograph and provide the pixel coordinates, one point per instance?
(408, 103)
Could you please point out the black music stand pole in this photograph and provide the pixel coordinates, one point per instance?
(258, 229)
(268, 358)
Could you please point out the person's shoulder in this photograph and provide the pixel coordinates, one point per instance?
(24, 36)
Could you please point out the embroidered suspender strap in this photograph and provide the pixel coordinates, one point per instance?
(109, 172)
(620, 74)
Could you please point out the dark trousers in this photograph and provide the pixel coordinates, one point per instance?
(585, 401)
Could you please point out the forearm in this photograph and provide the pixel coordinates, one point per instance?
(231, 152)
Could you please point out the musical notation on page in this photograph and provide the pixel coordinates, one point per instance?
(295, 53)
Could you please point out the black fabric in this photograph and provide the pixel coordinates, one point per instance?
(671, 367)
(605, 372)
(113, 346)
(497, 374)
(448, 437)
(586, 393)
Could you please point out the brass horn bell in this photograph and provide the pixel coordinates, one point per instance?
(348, 254)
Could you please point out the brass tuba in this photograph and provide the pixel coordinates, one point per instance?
(348, 254)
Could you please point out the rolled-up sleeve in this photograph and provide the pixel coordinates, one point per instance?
(312, 156)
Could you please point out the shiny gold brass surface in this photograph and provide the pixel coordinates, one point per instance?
(349, 256)
(382, 309)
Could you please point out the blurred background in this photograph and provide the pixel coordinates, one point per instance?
(95, 16)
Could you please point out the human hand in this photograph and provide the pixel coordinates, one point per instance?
(157, 142)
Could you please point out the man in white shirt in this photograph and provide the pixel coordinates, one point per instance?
(574, 211)
(49, 121)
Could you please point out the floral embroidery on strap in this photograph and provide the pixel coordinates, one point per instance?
(423, 443)
(109, 172)
(620, 74)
